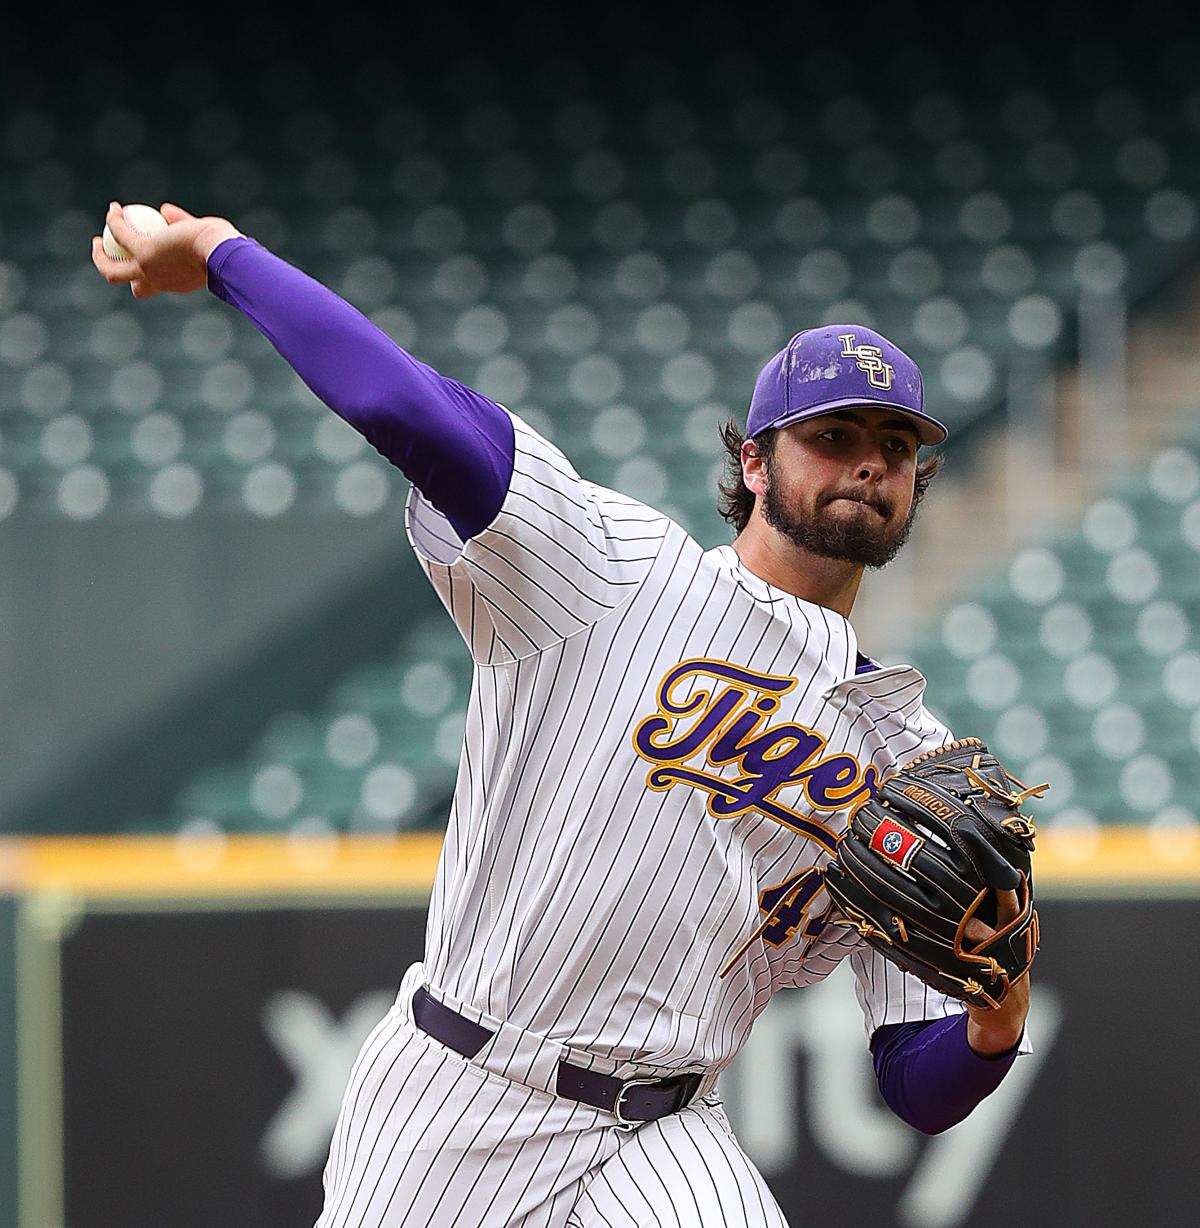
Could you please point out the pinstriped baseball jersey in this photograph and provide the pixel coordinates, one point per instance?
(660, 752)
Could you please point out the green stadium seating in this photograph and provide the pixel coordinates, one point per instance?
(602, 252)
(617, 266)
(1099, 682)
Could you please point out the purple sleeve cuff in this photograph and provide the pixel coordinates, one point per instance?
(930, 1076)
(454, 444)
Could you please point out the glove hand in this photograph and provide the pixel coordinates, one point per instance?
(935, 872)
(992, 1031)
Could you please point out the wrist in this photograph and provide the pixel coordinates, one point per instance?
(994, 1033)
(992, 1043)
(212, 234)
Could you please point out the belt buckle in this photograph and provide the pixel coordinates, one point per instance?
(628, 1123)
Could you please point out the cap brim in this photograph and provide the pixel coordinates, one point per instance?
(929, 430)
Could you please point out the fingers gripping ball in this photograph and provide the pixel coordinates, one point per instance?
(919, 870)
(143, 218)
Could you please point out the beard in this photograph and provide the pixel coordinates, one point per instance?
(862, 538)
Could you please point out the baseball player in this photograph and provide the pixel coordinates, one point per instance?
(662, 745)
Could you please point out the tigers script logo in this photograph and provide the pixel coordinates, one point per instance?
(726, 719)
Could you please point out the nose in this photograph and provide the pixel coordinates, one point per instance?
(871, 465)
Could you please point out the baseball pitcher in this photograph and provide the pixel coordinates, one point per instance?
(665, 747)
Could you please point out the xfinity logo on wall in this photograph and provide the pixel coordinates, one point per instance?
(847, 1123)
(319, 1050)
(802, 1089)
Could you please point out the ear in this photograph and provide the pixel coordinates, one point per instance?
(754, 468)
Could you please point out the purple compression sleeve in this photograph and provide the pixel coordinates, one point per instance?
(454, 444)
(930, 1076)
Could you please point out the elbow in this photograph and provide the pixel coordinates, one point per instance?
(932, 1119)
(928, 1123)
(390, 424)
(929, 1110)
(372, 413)
(931, 1128)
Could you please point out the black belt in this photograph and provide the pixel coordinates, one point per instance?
(630, 1100)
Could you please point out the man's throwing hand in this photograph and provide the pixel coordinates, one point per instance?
(174, 259)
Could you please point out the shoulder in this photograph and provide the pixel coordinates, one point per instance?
(534, 442)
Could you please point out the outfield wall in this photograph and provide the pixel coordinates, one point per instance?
(184, 1016)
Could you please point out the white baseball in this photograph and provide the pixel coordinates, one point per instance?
(145, 219)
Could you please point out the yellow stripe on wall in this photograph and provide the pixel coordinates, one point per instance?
(219, 865)
(133, 866)
(1118, 856)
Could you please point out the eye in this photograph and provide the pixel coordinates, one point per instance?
(835, 434)
(901, 445)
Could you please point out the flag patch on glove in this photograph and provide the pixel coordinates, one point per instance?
(896, 843)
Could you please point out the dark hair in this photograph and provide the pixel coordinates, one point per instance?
(735, 500)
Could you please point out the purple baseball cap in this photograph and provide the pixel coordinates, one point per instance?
(839, 366)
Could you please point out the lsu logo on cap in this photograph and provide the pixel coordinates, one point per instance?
(869, 360)
(896, 843)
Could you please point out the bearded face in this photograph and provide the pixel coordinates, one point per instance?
(868, 535)
(857, 513)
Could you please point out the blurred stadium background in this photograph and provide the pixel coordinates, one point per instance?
(228, 692)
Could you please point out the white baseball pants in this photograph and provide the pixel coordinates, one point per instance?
(427, 1138)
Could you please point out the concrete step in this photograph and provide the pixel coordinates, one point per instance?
(1107, 419)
